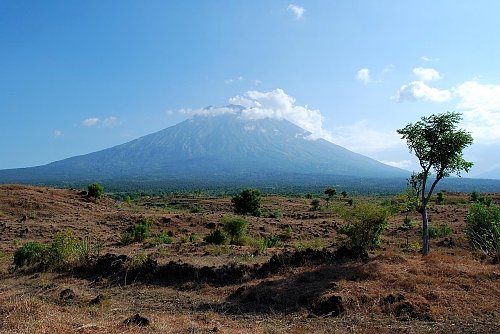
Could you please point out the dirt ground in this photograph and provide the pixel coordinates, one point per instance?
(188, 286)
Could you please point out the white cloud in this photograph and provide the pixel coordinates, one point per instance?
(480, 104)
(403, 164)
(298, 11)
(58, 133)
(418, 90)
(360, 137)
(232, 80)
(426, 74)
(363, 75)
(277, 104)
(95, 121)
(91, 121)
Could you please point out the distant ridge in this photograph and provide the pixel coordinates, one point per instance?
(224, 147)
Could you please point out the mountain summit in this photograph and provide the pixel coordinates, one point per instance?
(222, 146)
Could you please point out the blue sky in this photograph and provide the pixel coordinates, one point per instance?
(80, 76)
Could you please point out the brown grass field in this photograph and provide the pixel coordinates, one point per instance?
(189, 286)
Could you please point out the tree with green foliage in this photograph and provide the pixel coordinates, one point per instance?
(247, 202)
(95, 190)
(330, 192)
(438, 146)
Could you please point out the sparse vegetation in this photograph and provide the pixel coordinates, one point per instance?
(439, 231)
(29, 254)
(315, 204)
(163, 238)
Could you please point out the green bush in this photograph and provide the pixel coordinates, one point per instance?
(314, 244)
(247, 202)
(63, 250)
(440, 231)
(30, 253)
(95, 190)
(440, 198)
(236, 229)
(216, 237)
(138, 233)
(483, 229)
(366, 223)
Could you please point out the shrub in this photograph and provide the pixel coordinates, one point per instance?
(367, 222)
(330, 192)
(216, 237)
(257, 244)
(314, 244)
(95, 190)
(440, 198)
(138, 233)
(247, 202)
(287, 233)
(236, 229)
(315, 204)
(30, 253)
(483, 229)
(276, 214)
(63, 250)
(440, 231)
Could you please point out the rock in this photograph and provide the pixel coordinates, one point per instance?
(97, 300)
(330, 306)
(137, 320)
(67, 294)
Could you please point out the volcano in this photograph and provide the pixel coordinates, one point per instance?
(219, 147)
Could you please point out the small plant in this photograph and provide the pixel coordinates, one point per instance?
(163, 238)
(247, 202)
(196, 209)
(330, 192)
(216, 237)
(315, 203)
(287, 233)
(276, 214)
(189, 238)
(440, 231)
(30, 253)
(95, 190)
(350, 201)
(139, 260)
(412, 247)
(138, 233)
(273, 241)
(63, 250)
(236, 229)
(344, 194)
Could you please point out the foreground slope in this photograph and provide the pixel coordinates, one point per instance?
(217, 147)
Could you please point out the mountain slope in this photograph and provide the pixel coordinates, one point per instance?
(214, 146)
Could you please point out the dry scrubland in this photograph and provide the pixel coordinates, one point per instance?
(189, 286)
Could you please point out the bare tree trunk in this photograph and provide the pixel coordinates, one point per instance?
(425, 232)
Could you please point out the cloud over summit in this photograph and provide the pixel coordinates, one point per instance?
(274, 104)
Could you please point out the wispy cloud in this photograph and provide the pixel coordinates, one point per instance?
(298, 11)
(403, 164)
(58, 133)
(95, 121)
(429, 59)
(363, 75)
(90, 122)
(233, 80)
(362, 138)
(426, 74)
